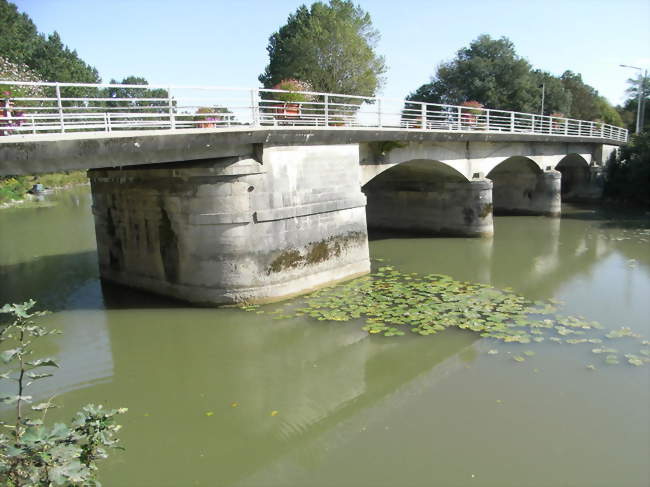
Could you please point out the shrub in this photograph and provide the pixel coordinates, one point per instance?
(627, 174)
(34, 454)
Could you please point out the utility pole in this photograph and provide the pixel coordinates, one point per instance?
(541, 110)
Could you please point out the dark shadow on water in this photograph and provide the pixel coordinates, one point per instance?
(116, 296)
(611, 217)
(377, 234)
(71, 282)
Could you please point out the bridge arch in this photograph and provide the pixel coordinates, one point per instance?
(578, 180)
(521, 187)
(429, 197)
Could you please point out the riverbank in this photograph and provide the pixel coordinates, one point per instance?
(14, 190)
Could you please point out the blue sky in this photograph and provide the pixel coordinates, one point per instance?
(223, 42)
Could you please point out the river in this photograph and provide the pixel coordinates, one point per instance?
(222, 397)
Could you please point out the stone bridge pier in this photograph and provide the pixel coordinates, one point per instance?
(277, 220)
(255, 227)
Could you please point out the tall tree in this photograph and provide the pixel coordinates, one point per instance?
(21, 43)
(556, 98)
(488, 71)
(628, 111)
(329, 45)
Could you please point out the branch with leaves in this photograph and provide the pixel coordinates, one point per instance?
(34, 454)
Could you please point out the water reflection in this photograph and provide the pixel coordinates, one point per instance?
(171, 364)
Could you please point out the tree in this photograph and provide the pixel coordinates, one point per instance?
(46, 56)
(629, 109)
(556, 98)
(134, 93)
(628, 172)
(329, 45)
(488, 71)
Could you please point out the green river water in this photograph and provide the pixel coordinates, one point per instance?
(222, 397)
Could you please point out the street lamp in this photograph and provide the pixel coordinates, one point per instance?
(640, 97)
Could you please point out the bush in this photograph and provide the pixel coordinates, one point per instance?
(627, 175)
(34, 454)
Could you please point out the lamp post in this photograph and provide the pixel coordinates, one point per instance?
(640, 100)
(541, 110)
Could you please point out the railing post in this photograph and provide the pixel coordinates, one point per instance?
(459, 117)
(423, 113)
(255, 107)
(378, 112)
(487, 120)
(327, 110)
(566, 126)
(602, 130)
(59, 104)
(108, 121)
(512, 122)
(579, 128)
(170, 104)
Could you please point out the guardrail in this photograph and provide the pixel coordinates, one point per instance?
(31, 108)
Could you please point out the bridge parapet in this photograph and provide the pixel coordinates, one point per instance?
(91, 108)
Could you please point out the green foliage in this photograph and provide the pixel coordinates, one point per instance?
(329, 45)
(15, 187)
(21, 43)
(492, 73)
(134, 93)
(629, 109)
(628, 173)
(33, 453)
(489, 71)
(556, 98)
(391, 302)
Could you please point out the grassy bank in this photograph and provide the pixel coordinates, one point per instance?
(16, 187)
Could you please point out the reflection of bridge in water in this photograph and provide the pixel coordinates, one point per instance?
(260, 204)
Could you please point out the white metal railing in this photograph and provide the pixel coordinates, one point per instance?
(82, 107)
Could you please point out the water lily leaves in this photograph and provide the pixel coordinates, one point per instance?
(390, 302)
(633, 359)
(622, 332)
(611, 360)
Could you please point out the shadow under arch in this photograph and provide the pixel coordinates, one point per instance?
(578, 181)
(521, 187)
(428, 197)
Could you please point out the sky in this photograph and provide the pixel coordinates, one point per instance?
(223, 42)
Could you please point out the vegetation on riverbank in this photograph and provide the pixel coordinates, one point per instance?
(15, 188)
(628, 173)
(33, 453)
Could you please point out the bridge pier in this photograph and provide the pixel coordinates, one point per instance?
(249, 228)
(527, 193)
(447, 208)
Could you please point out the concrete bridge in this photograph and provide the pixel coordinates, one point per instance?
(265, 206)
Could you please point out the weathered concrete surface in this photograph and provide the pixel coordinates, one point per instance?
(580, 181)
(31, 154)
(429, 198)
(232, 230)
(521, 188)
(471, 159)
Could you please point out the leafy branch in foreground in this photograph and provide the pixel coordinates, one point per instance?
(34, 454)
